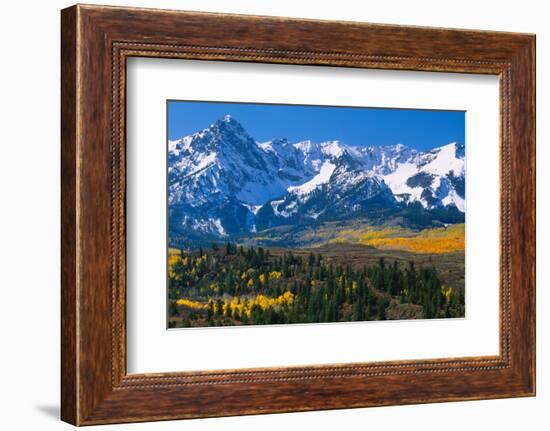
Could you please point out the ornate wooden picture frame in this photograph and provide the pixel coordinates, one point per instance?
(96, 41)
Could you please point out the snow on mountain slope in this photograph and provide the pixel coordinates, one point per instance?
(445, 160)
(384, 160)
(332, 149)
(322, 177)
(312, 157)
(434, 179)
(397, 180)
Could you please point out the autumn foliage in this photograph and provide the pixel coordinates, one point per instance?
(437, 240)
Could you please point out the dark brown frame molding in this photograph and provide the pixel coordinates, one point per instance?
(95, 43)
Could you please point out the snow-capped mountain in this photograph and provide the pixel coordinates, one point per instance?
(223, 184)
(434, 178)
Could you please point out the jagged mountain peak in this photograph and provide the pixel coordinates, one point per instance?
(228, 130)
(333, 149)
(228, 123)
(276, 145)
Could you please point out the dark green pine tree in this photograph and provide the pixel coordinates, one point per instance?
(358, 313)
(173, 309)
(228, 313)
(236, 315)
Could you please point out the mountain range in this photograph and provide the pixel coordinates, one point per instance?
(224, 185)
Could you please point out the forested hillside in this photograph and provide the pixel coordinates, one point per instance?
(235, 285)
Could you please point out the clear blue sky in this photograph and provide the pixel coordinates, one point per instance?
(420, 129)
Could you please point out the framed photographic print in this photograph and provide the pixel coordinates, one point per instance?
(267, 215)
(293, 230)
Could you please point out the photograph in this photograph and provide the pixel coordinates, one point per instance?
(284, 214)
